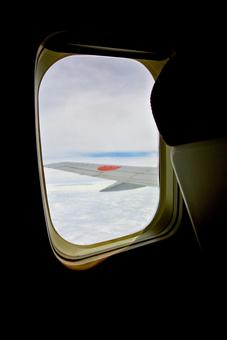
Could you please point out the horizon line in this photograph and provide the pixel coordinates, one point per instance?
(119, 153)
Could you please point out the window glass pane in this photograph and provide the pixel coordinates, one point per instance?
(99, 147)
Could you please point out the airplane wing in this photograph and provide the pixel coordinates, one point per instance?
(126, 177)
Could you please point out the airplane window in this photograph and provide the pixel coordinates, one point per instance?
(100, 147)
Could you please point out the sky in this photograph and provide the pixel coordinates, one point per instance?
(97, 109)
(96, 104)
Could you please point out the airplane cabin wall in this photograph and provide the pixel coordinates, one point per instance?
(200, 168)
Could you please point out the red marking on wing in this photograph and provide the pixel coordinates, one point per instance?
(108, 167)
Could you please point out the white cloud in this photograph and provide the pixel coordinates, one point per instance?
(83, 215)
